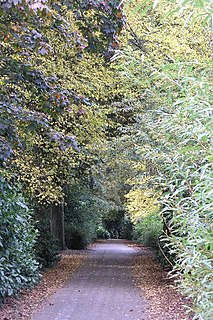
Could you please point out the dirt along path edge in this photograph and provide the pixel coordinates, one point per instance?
(24, 305)
(165, 302)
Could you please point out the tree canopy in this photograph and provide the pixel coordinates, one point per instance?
(106, 128)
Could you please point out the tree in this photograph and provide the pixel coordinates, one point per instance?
(169, 72)
(39, 42)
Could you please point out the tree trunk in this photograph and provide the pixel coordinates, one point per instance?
(57, 224)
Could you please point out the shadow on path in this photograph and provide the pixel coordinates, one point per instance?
(102, 288)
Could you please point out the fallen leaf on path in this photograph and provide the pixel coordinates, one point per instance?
(31, 300)
(165, 302)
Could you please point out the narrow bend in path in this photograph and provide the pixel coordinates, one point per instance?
(102, 288)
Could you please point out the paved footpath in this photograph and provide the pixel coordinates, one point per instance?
(101, 289)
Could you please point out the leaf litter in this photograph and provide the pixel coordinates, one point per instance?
(165, 302)
(30, 300)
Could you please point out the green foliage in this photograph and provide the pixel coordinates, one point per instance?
(76, 236)
(141, 201)
(18, 267)
(46, 248)
(113, 222)
(156, 112)
(187, 181)
(102, 233)
(181, 153)
(53, 97)
(172, 136)
(148, 230)
(55, 159)
(128, 228)
(55, 89)
(81, 217)
(28, 94)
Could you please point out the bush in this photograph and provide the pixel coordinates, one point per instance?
(114, 222)
(81, 217)
(75, 238)
(46, 247)
(18, 267)
(102, 233)
(127, 231)
(149, 229)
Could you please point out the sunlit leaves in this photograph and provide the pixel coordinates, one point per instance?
(173, 132)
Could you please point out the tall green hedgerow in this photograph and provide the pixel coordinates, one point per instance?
(148, 230)
(18, 267)
(187, 180)
(173, 137)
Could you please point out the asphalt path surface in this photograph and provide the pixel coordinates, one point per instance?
(101, 289)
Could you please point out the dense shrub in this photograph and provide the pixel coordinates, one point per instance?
(113, 222)
(102, 233)
(76, 237)
(127, 230)
(18, 267)
(81, 217)
(187, 173)
(46, 247)
(148, 230)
